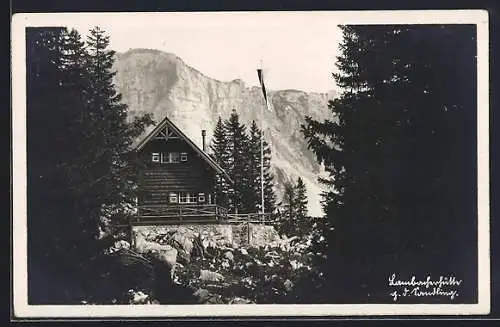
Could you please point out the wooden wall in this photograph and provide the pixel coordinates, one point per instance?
(157, 180)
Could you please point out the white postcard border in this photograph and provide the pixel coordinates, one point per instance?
(19, 228)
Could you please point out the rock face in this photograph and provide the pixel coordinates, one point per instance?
(261, 235)
(163, 252)
(146, 238)
(210, 276)
(160, 83)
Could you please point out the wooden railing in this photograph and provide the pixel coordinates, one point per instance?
(188, 213)
(248, 218)
(181, 211)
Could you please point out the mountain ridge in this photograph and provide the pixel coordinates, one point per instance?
(161, 83)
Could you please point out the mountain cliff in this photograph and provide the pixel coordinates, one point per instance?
(152, 81)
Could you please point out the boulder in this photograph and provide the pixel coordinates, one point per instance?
(164, 253)
(225, 264)
(121, 244)
(240, 300)
(184, 245)
(138, 297)
(229, 256)
(202, 295)
(296, 264)
(210, 276)
(168, 255)
(215, 299)
(262, 235)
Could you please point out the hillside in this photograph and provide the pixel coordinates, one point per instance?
(162, 84)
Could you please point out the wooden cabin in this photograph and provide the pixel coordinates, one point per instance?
(177, 180)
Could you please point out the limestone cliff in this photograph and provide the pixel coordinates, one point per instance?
(162, 84)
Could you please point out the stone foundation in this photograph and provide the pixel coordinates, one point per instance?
(219, 235)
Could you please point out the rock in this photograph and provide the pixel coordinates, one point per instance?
(185, 237)
(121, 244)
(144, 246)
(247, 281)
(240, 300)
(210, 276)
(164, 253)
(215, 299)
(168, 255)
(184, 256)
(262, 235)
(205, 297)
(202, 295)
(296, 264)
(229, 256)
(272, 254)
(225, 264)
(138, 297)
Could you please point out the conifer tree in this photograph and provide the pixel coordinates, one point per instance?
(113, 136)
(269, 194)
(44, 116)
(294, 217)
(300, 200)
(287, 225)
(237, 147)
(394, 149)
(219, 153)
(255, 171)
(78, 143)
(254, 166)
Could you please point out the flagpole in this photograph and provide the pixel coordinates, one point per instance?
(262, 150)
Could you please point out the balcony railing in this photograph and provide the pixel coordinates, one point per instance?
(183, 210)
(190, 213)
(248, 218)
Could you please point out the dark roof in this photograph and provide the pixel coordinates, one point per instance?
(202, 153)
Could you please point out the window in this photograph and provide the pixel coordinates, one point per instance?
(186, 197)
(174, 157)
(172, 198)
(184, 156)
(164, 157)
(155, 157)
(201, 197)
(167, 157)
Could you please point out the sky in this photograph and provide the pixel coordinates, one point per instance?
(296, 49)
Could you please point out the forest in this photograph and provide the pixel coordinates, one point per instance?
(399, 148)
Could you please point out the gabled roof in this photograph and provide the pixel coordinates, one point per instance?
(183, 136)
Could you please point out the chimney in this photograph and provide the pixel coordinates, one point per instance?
(203, 134)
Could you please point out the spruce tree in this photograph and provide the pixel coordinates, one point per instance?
(237, 146)
(44, 117)
(269, 194)
(78, 144)
(394, 149)
(294, 218)
(254, 166)
(300, 200)
(287, 224)
(255, 171)
(219, 153)
(113, 169)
